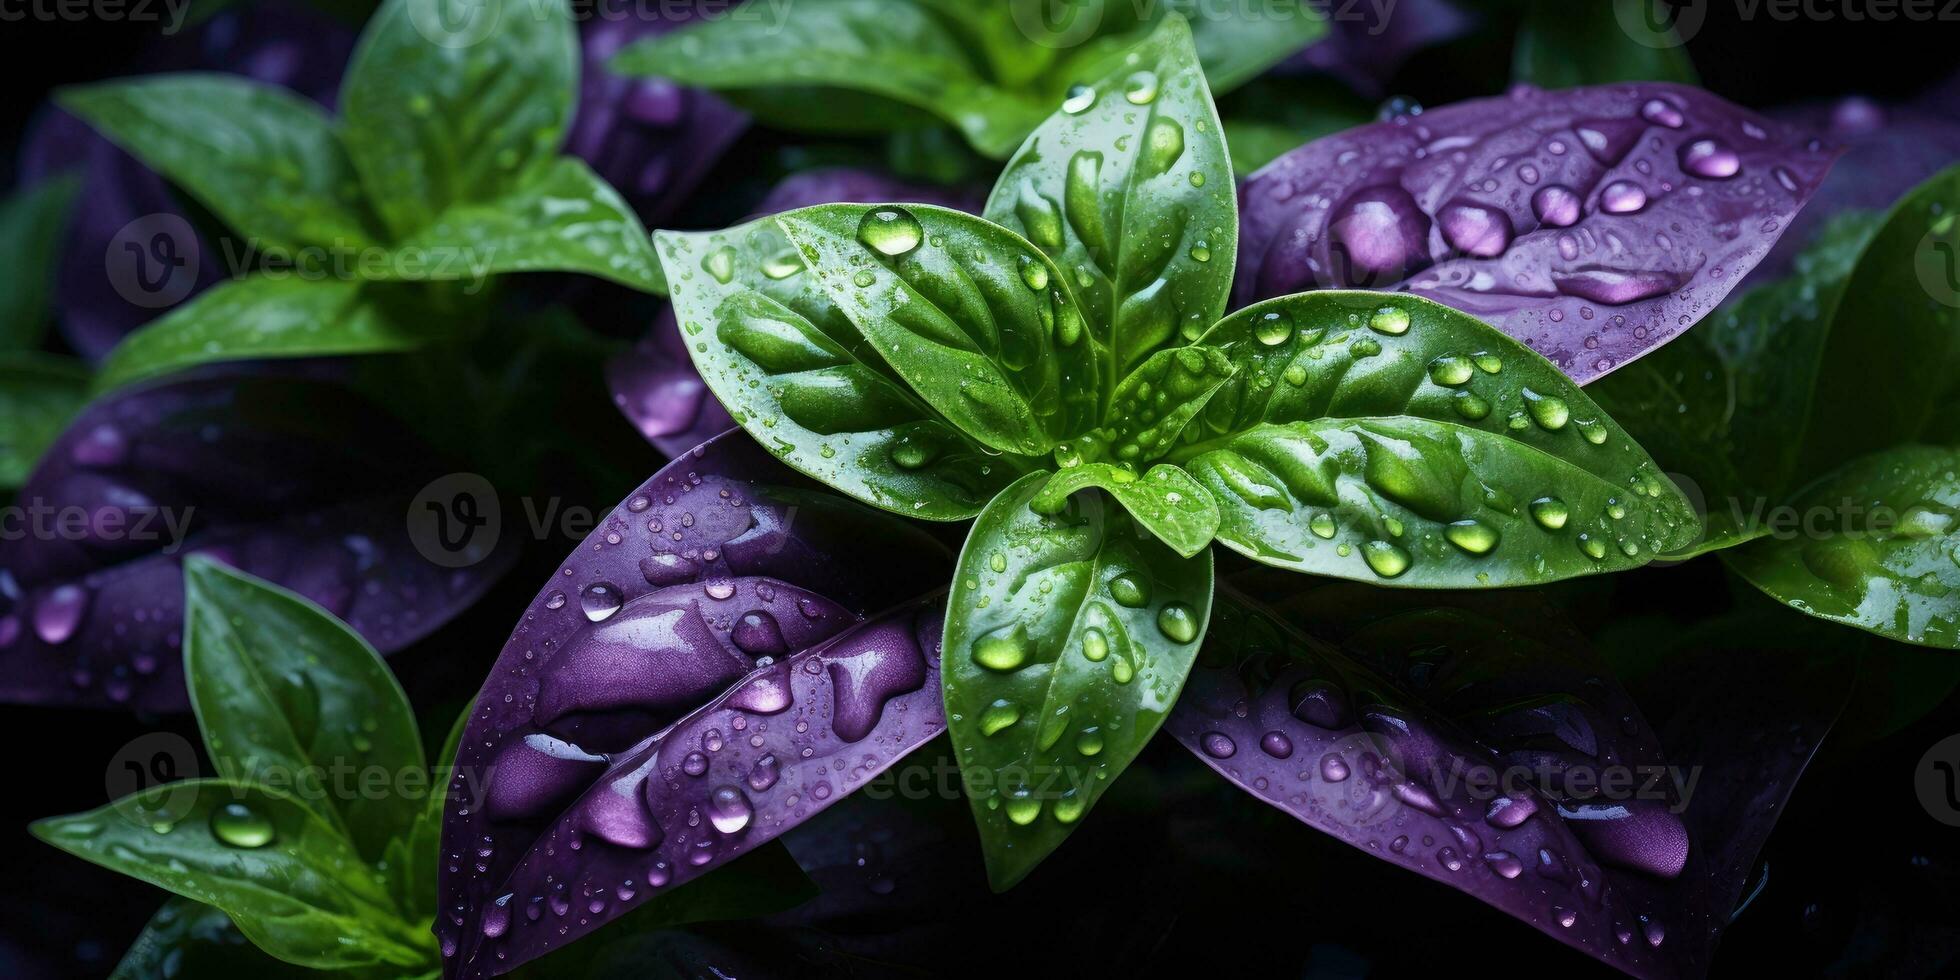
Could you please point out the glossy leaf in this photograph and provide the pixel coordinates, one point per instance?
(292, 882)
(1129, 190)
(978, 322)
(1156, 403)
(1511, 769)
(39, 393)
(260, 316)
(1068, 637)
(1166, 501)
(787, 364)
(1592, 224)
(191, 939)
(711, 624)
(1877, 546)
(32, 222)
(562, 219)
(448, 102)
(1394, 440)
(287, 695)
(1562, 45)
(266, 161)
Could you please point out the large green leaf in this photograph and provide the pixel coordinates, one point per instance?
(1068, 637)
(288, 877)
(791, 368)
(563, 219)
(1129, 189)
(289, 697)
(264, 160)
(32, 222)
(1875, 545)
(261, 316)
(39, 393)
(1562, 44)
(1390, 439)
(976, 320)
(457, 101)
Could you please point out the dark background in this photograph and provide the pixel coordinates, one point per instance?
(1178, 874)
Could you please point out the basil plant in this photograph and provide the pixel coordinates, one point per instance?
(1060, 372)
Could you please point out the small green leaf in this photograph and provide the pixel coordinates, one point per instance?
(1875, 545)
(1564, 45)
(976, 320)
(1166, 501)
(286, 695)
(1390, 439)
(1129, 189)
(191, 939)
(288, 877)
(265, 161)
(451, 102)
(39, 393)
(1154, 405)
(563, 219)
(261, 316)
(1068, 637)
(793, 371)
(32, 223)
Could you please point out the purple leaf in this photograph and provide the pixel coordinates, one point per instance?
(655, 384)
(651, 139)
(99, 301)
(1385, 750)
(282, 474)
(698, 679)
(1593, 224)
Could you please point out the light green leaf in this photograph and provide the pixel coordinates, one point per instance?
(1129, 189)
(1564, 45)
(1875, 545)
(563, 219)
(39, 394)
(261, 316)
(1166, 501)
(32, 223)
(977, 321)
(264, 160)
(1068, 638)
(1390, 439)
(289, 878)
(790, 367)
(289, 697)
(1153, 405)
(451, 102)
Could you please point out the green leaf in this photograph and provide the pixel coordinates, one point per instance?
(1898, 320)
(288, 696)
(1068, 638)
(1564, 45)
(39, 393)
(563, 219)
(977, 321)
(1716, 403)
(1390, 439)
(1166, 501)
(1875, 545)
(1156, 403)
(264, 160)
(191, 939)
(796, 374)
(1132, 195)
(451, 102)
(292, 882)
(261, 316)
(32, 224)
(415, 882)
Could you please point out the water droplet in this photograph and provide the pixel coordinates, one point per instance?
(1487, 362)
(600, 600)
(1218, 745)
(1662, 114)
(1089, 742)
(1121, 670)
(1472, 536)
(1129, 590)
(1034, 273)
(1391, 320)
(890, 231)
(1022, 808)
(1556, 205)
(59, 613)
(1548, 411)
(1200, 252)
(758, 635)
(1550, 513)
(1710, 159)
(1333, 768)
(1178, 622)
(783, 264)
(1322, 525)
(241, 826)
(1592, 546)
(1471, 405)
(1385, 558)
(1004, 649)
(1078, 100)
(1276, 744)
(1475, 230)
(999, 716)
(720, 264)
(1622, 197)
(1451, 370)
(864, 278)
(729, 810)
(1141, 88)
(1095, 645)
(1069, 808)
(764, 773)
(1164, 144)
(1504, 863)
(1273, 328)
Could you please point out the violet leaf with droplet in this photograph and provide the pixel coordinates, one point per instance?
(1592, 224)
(682, 692)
